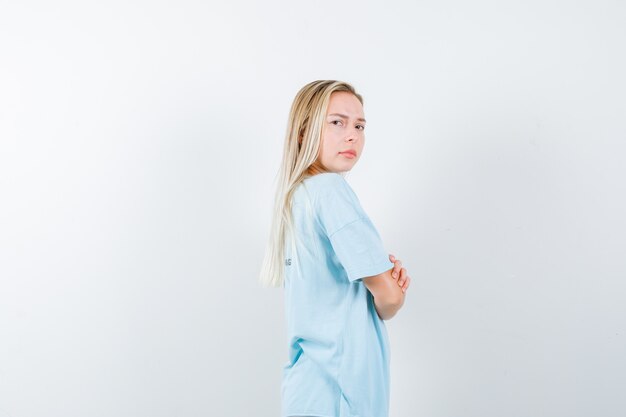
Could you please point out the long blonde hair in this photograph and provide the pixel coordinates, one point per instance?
(301, 150)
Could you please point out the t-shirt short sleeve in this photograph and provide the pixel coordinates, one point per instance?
(354, 238)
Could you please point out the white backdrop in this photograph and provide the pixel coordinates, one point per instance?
(139, 146)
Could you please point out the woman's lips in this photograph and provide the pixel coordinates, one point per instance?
(348, 154)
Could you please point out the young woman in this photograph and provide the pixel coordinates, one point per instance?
(340, 284)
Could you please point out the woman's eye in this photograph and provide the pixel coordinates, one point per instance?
(335, 122)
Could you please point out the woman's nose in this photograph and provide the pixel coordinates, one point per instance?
(353, 135)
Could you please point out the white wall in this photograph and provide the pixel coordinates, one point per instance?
(139, 144)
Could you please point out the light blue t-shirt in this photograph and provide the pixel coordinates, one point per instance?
(338, 347)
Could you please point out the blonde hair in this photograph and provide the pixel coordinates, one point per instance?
(301, 150)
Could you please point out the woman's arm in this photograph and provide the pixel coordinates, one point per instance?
(387, 309)
(388, 295)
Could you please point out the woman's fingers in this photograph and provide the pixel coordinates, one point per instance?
(402, 276)
(395, 273)
(396, 269)
(404, 280)
(406, 284)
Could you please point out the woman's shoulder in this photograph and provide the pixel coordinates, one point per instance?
(329, 186)
(325, 180)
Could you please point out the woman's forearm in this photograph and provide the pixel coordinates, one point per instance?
(386, 310)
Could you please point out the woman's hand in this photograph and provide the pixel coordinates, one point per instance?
(399, 273)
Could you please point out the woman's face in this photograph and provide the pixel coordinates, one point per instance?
(342, 132)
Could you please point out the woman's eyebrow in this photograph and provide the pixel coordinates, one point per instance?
(360, 119)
